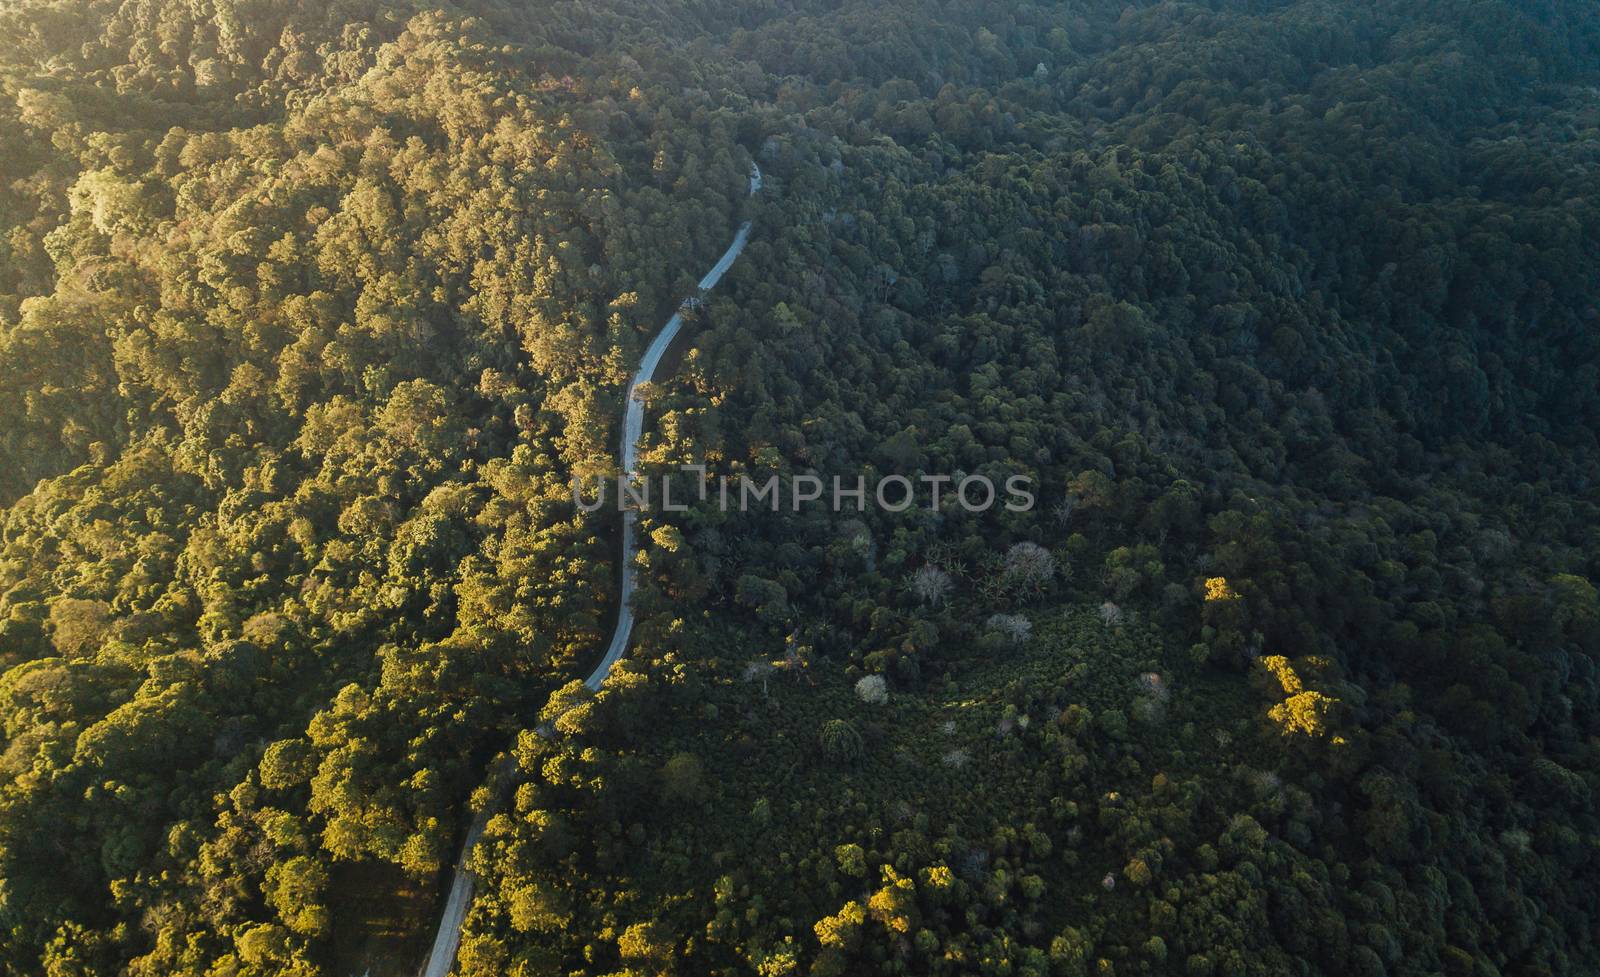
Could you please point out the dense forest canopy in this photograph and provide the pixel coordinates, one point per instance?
(310, 313)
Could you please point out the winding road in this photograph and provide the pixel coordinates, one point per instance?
(443, 955)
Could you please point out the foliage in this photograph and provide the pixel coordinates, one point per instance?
(310, 314)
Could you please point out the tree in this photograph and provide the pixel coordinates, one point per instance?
(540, 907)
(852, 859)
(840, 741)
(1028, 568)
(842, 930)
(286, 764)
(1015, 628)
(78, 626)
(931, 585)
(647, 946)
(895, 904)
(295, 889)
(873, 690)
(683, 779)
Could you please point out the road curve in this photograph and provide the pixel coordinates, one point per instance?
(443, 954)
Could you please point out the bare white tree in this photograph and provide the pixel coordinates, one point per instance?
(1064, 509)
(873, 690)
(761, 670)
(1028, 566)
(930, 585)
(1111, 614)
(1014, 627)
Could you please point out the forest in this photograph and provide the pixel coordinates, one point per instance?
(311, 313)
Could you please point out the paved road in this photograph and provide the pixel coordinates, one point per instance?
(443, 955)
